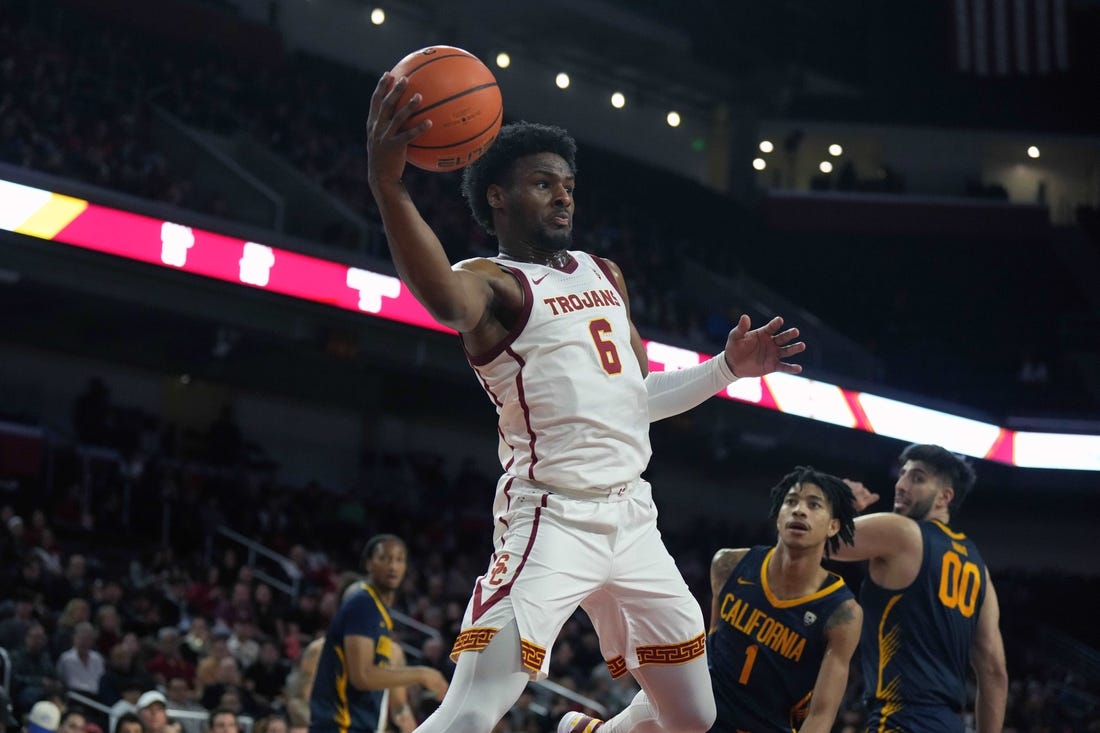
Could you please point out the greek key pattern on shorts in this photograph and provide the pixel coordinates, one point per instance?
(672, 653)
(472, 640)
(617, 666)
(531, 654)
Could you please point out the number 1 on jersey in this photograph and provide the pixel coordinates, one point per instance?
(609, 355)
(750, 659)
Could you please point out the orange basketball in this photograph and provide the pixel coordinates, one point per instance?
(461, 98)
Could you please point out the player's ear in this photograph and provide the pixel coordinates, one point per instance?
(947, 495)
(834, 527)
(495, 195)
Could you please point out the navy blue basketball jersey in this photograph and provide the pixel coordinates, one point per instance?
(765, 653)
(335, 705)
(915, 648)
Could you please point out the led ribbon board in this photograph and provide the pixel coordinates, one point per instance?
(51, 216)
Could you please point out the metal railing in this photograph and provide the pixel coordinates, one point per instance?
(255, 549)
(245, 722)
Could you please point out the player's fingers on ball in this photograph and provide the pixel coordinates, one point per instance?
(415, 132)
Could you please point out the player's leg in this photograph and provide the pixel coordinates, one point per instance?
(649, 623)
(674, 699)
(484, 686)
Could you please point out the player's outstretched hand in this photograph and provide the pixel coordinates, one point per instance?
(862, 496)
(764, 350)
(386, 142)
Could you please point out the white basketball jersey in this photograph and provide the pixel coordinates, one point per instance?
(566, 383)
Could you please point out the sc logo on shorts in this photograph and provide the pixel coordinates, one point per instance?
(500, 569)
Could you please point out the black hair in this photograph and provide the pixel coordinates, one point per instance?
(952, 468)
(68, 712)
(839, 495)
(377, 541)
(127, 717)
(221, 710)
(515, 141)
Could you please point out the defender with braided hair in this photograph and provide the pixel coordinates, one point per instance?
(783, 628)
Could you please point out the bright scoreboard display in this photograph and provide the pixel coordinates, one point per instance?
(76, 222)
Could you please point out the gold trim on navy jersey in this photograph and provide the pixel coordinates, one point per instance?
(837, 583)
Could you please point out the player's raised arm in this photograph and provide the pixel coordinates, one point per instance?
(455, 298)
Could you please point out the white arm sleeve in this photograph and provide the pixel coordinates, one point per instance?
(673, 392)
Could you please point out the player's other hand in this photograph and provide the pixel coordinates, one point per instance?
(434, 682)
(764, 350)
(862, 496)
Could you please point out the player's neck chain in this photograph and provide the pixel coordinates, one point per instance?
(557, 259)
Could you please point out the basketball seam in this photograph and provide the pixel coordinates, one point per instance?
(460, 142)
(440, 58)
(451, 98)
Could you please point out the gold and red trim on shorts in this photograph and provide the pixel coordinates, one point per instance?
(661, 654)
(474, 640)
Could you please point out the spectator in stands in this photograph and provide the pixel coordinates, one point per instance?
(76, 611)
(75, 582)
(81, 667)
(206, 671)
(266, 677)
(268, 614)
(109, 625)
(73, 720)
(223, 720)
(271, 724)
(124, 678)
(181, 699)
(30, 579)
(44, 717)
(229, 680)
(128, 723)
(168, 663)
(13, 630)
(33, 675)
(152, 709)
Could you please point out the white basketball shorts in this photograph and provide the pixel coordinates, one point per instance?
(553, 553)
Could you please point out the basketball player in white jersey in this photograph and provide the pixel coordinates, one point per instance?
(548, 333)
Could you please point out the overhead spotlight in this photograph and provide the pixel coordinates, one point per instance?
(618, 101)
(766, 146)
(835, 150)
(1032, 151)
(504, 60)
(759, 164)
(378, 16)
(562, 80)
(825, 166)
(673, 118)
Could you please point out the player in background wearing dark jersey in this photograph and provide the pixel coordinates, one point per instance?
(782, 628)
(356, 664)
(929, 604)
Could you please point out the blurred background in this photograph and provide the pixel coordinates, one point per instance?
(914, 185)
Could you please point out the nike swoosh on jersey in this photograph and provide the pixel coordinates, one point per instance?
(537, 280)
(742, 581)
